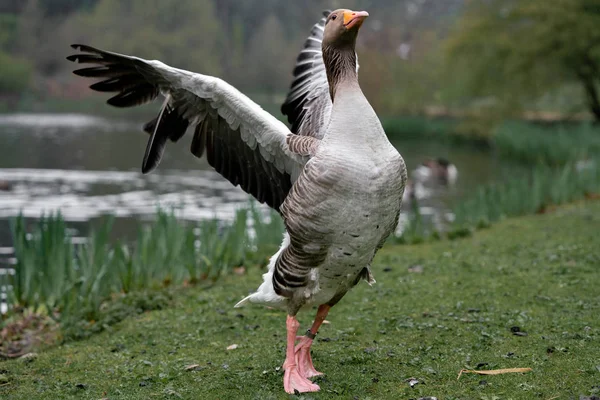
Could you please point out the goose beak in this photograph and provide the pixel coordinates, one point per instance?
(354, 19)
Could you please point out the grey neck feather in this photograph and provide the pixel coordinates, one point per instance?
(340, 65)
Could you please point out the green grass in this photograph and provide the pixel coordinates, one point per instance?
(553, 145)
(538, 273)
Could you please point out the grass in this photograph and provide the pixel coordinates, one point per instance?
(70, 282)
(553, 145)
(458, 310)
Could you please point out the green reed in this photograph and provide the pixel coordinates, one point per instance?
(554, 145)
(71, 281)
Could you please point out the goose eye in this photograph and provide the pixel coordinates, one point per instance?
(334, 16)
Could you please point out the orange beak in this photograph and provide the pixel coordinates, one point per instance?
(354, 18)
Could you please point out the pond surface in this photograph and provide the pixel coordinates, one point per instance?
(88, 167)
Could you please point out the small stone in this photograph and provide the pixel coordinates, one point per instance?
(416, 269)
(412, 382)
(29, 357)
(517, 331)
(232, 346)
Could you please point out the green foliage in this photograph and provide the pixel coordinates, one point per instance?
(507, 54)
(72, 281)
(543, 187)
(15, 73)
(553, 145)
(8, 30)
(184, 33)
(450, 130)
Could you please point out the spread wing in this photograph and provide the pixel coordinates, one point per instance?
(308, 103)
(244, 143)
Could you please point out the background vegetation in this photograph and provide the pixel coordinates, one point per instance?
(493, 58)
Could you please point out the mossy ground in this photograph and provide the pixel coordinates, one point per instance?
(436, 308)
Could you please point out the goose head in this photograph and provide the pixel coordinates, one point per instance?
(341, 28)
(339, 42)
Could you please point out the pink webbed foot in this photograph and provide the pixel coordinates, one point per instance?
(294, 381)
(303, 358)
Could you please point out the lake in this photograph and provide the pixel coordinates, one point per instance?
(88, 167)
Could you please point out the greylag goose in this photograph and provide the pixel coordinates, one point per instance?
(335, 178)
(436, 171)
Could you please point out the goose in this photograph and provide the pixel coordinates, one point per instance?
(436, 171)
(334, 177)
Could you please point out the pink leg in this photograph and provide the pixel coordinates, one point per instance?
(303, 358)
(292, 380)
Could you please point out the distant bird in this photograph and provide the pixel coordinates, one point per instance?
(439, 171)
(334, 177)
(414, 191)
(5, 186)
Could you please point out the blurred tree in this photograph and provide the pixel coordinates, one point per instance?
(514, 51)
(15, 74)
(32, 39)
(268, 58)
(183, 33)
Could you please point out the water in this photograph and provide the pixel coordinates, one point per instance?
(88, 167)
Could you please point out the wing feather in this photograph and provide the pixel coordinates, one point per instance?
(242, 142)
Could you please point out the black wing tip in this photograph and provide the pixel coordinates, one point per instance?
(146, 168)
(79, 47)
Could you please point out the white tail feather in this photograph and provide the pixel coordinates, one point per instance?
(266, 293)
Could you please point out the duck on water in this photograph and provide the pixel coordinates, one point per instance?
(334, 177)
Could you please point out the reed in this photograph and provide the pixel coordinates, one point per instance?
(72, 281)
(536, 192)
(525, 142)
(554, 145)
